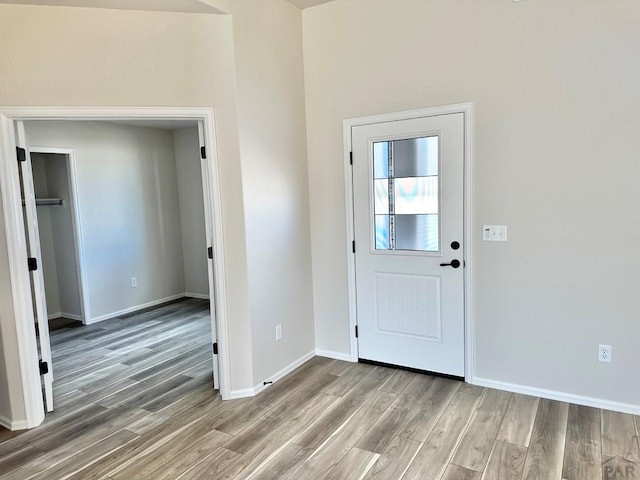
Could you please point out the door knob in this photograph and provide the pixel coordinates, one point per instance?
(454, 263)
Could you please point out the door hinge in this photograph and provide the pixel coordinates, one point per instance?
(356, 331)
(215, 348)
(210, 252)
(350, 158)
(21, 153)
(353, 246)
(203, 152)
(44, 368)
(33, 264)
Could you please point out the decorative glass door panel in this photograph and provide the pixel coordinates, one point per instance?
(407, 194)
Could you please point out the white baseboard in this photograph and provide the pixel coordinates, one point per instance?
(201, 296)
(244, 393)
(556, 395)
(335, 355)
(153, 303)
(252, 392)
(70, 316)
(5, 422)
(15, 425)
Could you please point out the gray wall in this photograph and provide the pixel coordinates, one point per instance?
(555, 88)
(47, 245)
(192, 222)
(271, 109)
(129, 214)
(57, 243)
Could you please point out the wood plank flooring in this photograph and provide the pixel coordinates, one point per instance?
(134, 401)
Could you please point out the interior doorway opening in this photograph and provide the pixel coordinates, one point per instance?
(201, 121)
(137, 210)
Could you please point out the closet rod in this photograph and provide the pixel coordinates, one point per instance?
(48, 201)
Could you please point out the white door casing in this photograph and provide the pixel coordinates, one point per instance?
(37, 276)
(206, 194)
(410, 308)
(21, 308)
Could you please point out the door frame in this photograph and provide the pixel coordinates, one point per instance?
(16, 239)
(83, 289)
(467, 110)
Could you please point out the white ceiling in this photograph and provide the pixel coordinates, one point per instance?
(308, 3)
(186, 6)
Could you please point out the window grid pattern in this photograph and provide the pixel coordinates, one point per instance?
(406, 206)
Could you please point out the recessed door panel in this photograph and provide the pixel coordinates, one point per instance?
(408, 305)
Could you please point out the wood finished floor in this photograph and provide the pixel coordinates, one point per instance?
(134, 401)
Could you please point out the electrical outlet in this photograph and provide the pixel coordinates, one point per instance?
(278, 332)
(604, 353)
(134, 282)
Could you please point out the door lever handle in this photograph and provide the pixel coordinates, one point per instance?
(454, 263)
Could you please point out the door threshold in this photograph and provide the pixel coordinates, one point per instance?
(409, 369)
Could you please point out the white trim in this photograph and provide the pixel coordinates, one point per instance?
(70, 316)
(205, 166)
(76, 222)
(102, 318)
(135, 308)
(243, 393)
(202, 296)
(348, 124)
(252, 392)
(16, 241)
(351, 257)
(19, 276)
(469, 229)
(106, 113)
(78, 237)
(346, 357)
(15, 425)
(633, 409)
(142, 306)
(219, 263)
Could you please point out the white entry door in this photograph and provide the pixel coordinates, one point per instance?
(408, 179)
(35, 265)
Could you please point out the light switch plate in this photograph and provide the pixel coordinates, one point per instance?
(494, 233)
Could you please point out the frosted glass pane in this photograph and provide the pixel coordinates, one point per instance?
(381, 196)
(381, 160)
(415, 157)
(382, 232)
(417, 232)
(416, 195)
(406, 194)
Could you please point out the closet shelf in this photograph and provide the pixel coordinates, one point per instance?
(48, 201)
